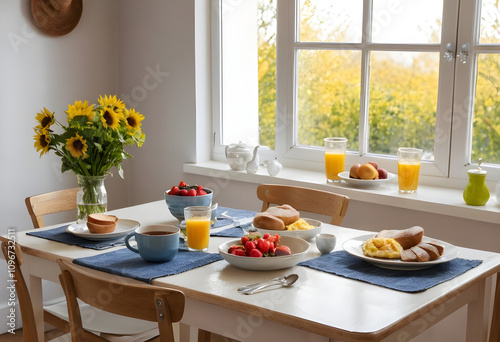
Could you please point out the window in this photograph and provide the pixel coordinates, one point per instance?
(383, 73)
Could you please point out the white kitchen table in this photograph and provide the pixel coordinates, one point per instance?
(319, 307)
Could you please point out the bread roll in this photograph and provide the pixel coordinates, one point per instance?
(421, 254)
(265, 220)
(102, 219)
(431, 250)
(284, 212)
(408, 255)
(407, 238)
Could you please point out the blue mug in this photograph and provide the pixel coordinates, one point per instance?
(155, 243)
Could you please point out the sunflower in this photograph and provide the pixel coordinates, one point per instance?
(112, 102)
(80, 109)
(77, 146)
(133, 119)
(42, 141)
(110, 118)
(45, 118)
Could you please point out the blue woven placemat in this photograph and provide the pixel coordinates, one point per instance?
(61, 235)
(343, 264)
(238, 214)
(126, 263)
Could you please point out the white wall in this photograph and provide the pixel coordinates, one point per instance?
(108, 54)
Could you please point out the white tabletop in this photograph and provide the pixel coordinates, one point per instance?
(319, 302)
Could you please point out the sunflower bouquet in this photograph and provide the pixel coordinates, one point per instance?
(92, 142)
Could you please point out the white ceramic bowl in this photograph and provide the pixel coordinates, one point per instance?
(303, 234)
(298, 247)
(365, 183)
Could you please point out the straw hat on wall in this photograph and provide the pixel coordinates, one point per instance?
(56, 17)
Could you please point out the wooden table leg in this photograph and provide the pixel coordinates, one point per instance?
(477, 326)
(37, 302)
(495, 319)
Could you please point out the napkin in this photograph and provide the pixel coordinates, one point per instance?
(237, 230)
(61, 235)
(126, 263)
(343, 264)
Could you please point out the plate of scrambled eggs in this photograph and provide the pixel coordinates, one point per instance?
(303, 228)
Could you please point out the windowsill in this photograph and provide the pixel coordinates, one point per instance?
(432, 199)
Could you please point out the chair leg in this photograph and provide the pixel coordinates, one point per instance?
(495, 319)
(204, 336)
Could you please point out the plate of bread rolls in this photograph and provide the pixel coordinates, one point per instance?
(286, 221)
(405, 249)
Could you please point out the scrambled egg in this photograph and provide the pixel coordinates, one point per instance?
(300, 224)
(382, 248)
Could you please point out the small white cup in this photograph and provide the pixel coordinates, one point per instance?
(326, 242)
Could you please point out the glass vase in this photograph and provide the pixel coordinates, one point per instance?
(91, 198)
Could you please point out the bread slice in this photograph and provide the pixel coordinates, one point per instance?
(439, 247)
(407, 238)
(408, 255)
(431, 250)
(421, 254)
(284, 212)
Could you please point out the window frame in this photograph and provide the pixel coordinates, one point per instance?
(452, 151)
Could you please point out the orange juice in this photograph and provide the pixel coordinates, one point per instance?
(198, 232)
(408, 176)
(334, 164)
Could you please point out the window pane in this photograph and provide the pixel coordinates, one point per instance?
(486, 124)
(331, 21)
(328, 96)
(490, 22)
(249, 72)
(407, 21)
(403, 101)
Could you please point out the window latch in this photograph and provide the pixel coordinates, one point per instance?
(449, 53)
(464, 53)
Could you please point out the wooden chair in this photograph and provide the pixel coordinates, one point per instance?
(305, 199)
(151, 303)
(50, 203)
(103, 323)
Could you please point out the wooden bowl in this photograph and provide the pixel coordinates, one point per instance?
(96, 228)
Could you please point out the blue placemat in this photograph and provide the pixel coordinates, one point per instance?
(343, 264)
(126, 263)
(60, 235)
(238, 230)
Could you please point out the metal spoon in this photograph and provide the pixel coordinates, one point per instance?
(285, 281)
(251, 286)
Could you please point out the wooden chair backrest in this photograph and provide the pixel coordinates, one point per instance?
(13, 257)
(147, 302)
(50, 203)
(305, 199)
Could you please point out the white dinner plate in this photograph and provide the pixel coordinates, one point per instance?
(123, 227)
(365, 183)
(303, 234)
(298, 247)
(353, 247)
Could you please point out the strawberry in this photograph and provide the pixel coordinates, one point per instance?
(244, 240)
(249, 246)
(266, 235)
(255, 253)
(263, 246)
(282, 250)
(191, 192)
(182, 184)
(271, 249)
(235, 247)
(174, 190)
(239, 252)
(182, 192)
(201, 192)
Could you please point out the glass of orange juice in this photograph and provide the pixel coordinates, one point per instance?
(408, 169)
(197, 227)
(334, 158)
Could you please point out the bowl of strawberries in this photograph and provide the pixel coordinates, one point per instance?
(184, 195)
(264, 252)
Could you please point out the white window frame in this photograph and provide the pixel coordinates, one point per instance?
(450, 161)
